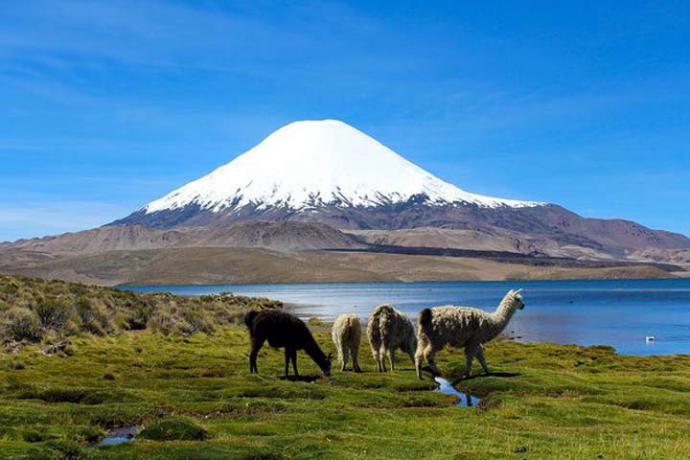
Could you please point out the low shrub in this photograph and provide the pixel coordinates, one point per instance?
(34, 309)
(93, 316)
(21, 323)
(53, 314)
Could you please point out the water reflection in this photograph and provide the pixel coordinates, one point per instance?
(464, 399)
(118, 436)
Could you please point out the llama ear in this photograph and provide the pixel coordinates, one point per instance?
(518, 291)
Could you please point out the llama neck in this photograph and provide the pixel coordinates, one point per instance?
(501, 317)
(315, 353)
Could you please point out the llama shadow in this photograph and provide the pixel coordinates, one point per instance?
(300, 378)
(471, 377)
(490, 374)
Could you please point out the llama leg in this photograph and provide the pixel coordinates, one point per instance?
(339, 351)
(355, 358)
(482, 359)
(419, 359)
(293, 355)
(345, 358)
(287, 361)
(382, 359)
(391, 358)
(375, 354)
(430, 356)
(257, 343)
(412, 356)
(470, 351)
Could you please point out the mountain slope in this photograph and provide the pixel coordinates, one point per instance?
(301, 168)
(257, 265)
(283, 236)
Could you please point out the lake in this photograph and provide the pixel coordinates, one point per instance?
(620, 313)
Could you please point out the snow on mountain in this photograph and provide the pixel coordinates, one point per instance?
(309, 164)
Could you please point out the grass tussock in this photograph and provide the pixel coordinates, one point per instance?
(175, 429)
(35, 309)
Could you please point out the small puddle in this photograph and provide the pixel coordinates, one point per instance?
(464, 399)
(118, 436)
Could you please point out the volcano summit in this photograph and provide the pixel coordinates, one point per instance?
(308, 168)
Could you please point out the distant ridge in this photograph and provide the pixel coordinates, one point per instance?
(283, 236)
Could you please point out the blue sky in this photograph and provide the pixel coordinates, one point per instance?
(105, 106)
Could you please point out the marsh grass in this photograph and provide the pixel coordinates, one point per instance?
(196, 399)
(175, 429)
(34, 310)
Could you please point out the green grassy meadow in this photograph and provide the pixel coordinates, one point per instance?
(195, 399)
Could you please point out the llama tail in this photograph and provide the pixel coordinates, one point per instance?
(382, 316)
(249, 318)
(424, 320)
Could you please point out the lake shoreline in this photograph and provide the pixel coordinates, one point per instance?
(618, 313)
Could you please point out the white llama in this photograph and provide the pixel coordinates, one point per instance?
(462, 327)
(388, 330)
(347, 334)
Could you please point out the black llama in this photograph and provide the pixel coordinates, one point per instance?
(283, 330)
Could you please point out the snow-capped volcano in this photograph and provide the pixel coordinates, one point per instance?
(313, 164)
(310, 180)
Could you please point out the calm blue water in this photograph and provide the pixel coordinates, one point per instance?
(465, 399)
(620, 313)
(118, 436)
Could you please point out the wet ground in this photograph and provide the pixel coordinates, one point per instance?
(118, 436)
(465, 399)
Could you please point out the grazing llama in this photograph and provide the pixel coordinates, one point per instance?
(462, 327)
(347, 333)
(388, 330)
(283, 330)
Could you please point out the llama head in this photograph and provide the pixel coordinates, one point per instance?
(326, 368)
(514, 299)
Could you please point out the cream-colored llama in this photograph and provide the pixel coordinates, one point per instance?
(388, 330)
(347, 334)
(462, 327)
